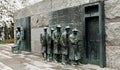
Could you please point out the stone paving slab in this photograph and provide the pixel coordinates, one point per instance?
(30, 61)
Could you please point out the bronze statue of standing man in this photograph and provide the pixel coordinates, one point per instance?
(18, 39)
(65, 44)
(50, 45)
(57, 45)
(44, 39)
(74, 55)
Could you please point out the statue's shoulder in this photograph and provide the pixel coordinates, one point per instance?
(64, 33)
(55, 32)
(71, 35)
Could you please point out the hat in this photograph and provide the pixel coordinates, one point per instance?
(52, 29)
(67, 27)
(58, 26)
(75, 30)
(45, 28)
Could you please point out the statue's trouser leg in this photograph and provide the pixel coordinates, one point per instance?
(77, 62)
(63, 59)
(18, 49)
(72, 62)
(55, 58)
(80, 61)
(52, 56)
(42, 55)
(48, 57)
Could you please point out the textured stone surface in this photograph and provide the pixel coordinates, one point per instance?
(42, 7)
(39, 20)
(112, 8)
(113, 44)
(113, 56)
(113, 33)
(60, 4)
(35, 39)
(46, 6)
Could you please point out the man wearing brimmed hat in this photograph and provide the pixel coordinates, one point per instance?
(44, 39)
(74, 48)
(50, 45)
(65, 44)
(57, 45)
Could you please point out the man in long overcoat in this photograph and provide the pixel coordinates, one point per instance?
(65, 44)
(50, 45)
(57, 45)
(74, 54)
(44, 39)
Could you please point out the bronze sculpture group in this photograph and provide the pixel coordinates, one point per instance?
(61, 46)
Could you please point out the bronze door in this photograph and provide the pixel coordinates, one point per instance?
(94, 33)
(25, 24)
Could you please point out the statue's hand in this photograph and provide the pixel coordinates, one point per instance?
(63, 44)
(56, 41)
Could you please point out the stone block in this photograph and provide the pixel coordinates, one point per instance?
(39, 20)
(113, 33)
(112, 8)
(113, 57)
(35, 39)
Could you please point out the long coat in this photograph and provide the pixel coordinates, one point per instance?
(50, 43)
(65, 43)
(57, 45)
(44, 39)
(74, 53)
(18, 40)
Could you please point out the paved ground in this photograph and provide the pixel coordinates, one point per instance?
(29, 61)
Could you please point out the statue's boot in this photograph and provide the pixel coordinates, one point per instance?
(63, 60)
(55, 58)
(78, 62)
(63, 63)
(72, 63)
(18, 51)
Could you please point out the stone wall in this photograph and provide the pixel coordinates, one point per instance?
(39, 18)
(112, 12)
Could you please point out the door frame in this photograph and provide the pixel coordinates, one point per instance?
(102, 50)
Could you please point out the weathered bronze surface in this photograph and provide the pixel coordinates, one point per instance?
(65, 44)
(44, 40)
(74, 54)
(57, 45)
(18, 40)
(18, 45)
(50, 45)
